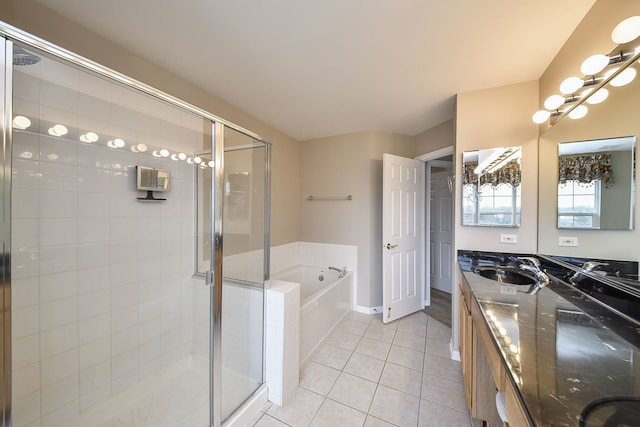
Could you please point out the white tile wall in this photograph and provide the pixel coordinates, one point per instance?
(102, 293)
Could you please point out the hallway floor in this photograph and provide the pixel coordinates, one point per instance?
(373, 374)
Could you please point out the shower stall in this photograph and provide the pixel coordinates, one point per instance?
(122, 306)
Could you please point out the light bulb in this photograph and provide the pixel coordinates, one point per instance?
(579, 112)
(21, 122)
(119, 142)
(594, 64)
(541, 116)
(197, 160)
(624, 78)
(164, 152)
(141, 147)
(189, 160)
(627, 30)
(211, 163)
(182, 156)
(598, 97)
(571, 85)
(553, 102)
(174, 157)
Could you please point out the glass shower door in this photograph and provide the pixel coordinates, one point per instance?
(109, 325)
(245, 251)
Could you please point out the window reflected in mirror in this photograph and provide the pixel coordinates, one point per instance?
(596, 184)
(491, 187)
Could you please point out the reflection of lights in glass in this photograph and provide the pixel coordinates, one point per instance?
(513, 348)
(174, 157)
(594, 64)
(116, 143)
(26, 155)
(507, 339)
(58, 130)
(579, 112)
(182, 156)
(502, 331)
(598, 97)
(89, 137)
(624, 78)
(541, 116)
(53, 157)
(189, 160)
(155, 153)
(141, 147)
(197, 160)
(553, 102)
(211, 163)
(21, 122)
(164, 152)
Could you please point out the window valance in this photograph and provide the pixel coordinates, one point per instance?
(586, 168)
(508, 174)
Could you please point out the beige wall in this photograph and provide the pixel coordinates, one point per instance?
(440, 136)
(349, 165)
(500, 117)
(30, 16)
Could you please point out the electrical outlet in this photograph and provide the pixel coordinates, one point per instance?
(567, 241)
(508, 238)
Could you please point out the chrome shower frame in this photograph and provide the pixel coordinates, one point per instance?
(10, 34)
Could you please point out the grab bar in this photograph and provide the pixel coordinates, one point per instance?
(314, 198)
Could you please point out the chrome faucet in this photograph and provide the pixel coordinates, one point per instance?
(591, 265)
(341, 271)
(533, 265)
(587, 267)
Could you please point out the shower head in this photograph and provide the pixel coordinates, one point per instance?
(24, 57)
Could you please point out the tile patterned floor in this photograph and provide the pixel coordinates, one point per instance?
(374, 374)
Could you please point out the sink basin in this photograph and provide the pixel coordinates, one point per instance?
(506, 275)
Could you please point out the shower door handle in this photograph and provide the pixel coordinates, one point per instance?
(208, 278)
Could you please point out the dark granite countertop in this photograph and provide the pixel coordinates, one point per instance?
(562, 348)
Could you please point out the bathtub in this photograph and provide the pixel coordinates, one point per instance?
(325, 298)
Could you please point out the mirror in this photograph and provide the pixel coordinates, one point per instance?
(615, 119)
(596, 184)
(491, 187)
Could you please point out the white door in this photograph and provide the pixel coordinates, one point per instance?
(403, 238)
(440, 239)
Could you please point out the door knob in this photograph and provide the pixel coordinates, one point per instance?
(390, 246)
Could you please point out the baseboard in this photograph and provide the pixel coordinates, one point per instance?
(455, 354)
(368, 310)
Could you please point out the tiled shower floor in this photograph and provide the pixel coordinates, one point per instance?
(374, 374)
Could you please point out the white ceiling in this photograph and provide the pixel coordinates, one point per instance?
(322, 68)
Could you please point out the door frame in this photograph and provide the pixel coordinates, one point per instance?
(427, 158)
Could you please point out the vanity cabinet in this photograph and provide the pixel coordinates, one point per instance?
(483, 371)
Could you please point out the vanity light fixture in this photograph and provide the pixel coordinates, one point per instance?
(571, 85)
(625, 32)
